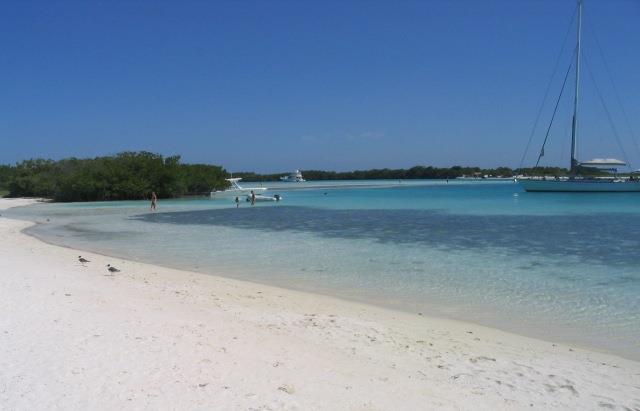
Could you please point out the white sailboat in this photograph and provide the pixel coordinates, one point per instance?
(576, 183)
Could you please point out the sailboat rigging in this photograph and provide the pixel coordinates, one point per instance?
(575, 182)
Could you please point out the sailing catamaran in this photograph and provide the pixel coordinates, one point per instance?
(576, 183)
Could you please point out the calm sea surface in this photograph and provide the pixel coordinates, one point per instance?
(564, 267)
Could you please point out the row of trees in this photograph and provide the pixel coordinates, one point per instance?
(417, 172)
(6, 172)
(134, 175)
(125, 176)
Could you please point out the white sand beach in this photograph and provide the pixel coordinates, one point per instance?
(75, 336)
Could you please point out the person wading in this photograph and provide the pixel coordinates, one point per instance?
(154, 201)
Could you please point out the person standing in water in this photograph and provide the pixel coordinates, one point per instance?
(154, 201)
(253, 198)
(237, 201)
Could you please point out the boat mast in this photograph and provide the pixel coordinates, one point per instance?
(574, 126)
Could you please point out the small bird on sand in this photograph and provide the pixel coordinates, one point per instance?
(83, 260)
(112, 269)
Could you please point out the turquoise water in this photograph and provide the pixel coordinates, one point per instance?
(564, 267)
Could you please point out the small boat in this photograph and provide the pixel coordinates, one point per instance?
(236, 190)
(294, 177)
(263, 198)
(575, 182)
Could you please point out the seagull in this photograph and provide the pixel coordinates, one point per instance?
(112, 269)
(83, 260)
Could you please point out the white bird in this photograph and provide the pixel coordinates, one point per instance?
(112, 269)
(83, 260)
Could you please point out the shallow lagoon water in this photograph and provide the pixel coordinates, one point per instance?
(564, 267)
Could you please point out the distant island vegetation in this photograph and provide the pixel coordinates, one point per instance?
(426, 173)
(417, 172)
(134, 175)
(124, 176)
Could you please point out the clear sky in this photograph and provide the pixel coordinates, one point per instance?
(277, 85)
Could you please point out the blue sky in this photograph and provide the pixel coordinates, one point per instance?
(278, 85)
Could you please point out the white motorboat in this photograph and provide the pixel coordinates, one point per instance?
(236, 190)
(294, 177)
(263, 198)
(577, 183)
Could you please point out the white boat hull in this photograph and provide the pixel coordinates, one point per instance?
(261, 198)
(237, 193)
(580, 186)
(295, 177)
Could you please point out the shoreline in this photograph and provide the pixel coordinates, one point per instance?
(432, 310)
(152, 336)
